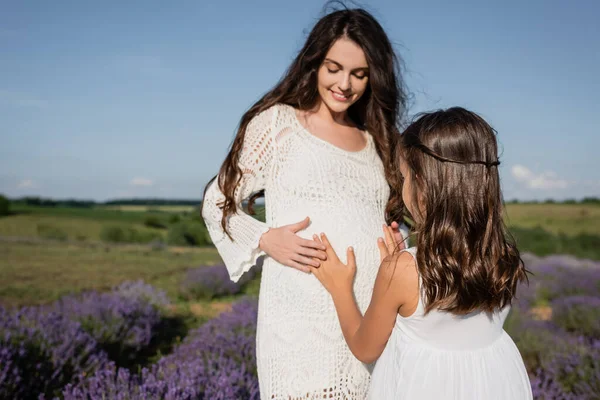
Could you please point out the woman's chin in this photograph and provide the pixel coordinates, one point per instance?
(337, 106)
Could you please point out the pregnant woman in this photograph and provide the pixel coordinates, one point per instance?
(318, 145)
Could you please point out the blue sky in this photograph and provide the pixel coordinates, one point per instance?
(104, 100)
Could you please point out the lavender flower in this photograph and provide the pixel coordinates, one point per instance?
(124, 321)
(139, 290)
(552, 280)
(578, 314)
(40, 353)
(213, 281)
(573, 375)
(215, 361)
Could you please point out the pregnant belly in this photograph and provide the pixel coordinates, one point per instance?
(300, 292)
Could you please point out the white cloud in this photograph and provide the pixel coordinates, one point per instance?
(545, 181)
(26, 184)
(520, 173)
(141, 182)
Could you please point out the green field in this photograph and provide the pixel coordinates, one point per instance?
(77, 227)
(87, 224)
(570, 219)
(35, 273)
(95, 213)
(132, 208)
(36, 270)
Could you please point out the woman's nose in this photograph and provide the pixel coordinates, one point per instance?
(344, 83)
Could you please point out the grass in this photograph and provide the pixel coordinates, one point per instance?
(140, 208)
(96, 214)
(541, 242)
(40, 273)
(570, 219)
(36, 273)
(75, 227)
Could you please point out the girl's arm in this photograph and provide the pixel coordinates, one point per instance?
(396, 285)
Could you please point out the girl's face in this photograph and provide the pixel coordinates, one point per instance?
(407, 188)
(343, 77)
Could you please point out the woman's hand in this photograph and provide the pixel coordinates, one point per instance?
(284, 246)
(336, 276)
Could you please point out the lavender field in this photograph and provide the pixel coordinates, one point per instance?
(556, 326)
(112, 345)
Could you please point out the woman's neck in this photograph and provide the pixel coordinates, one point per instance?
(331, 116)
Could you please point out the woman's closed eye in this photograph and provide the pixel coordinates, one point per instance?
(359, 75)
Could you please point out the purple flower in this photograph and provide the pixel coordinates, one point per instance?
(213, 281)
(41, 352)
(555, 277)
(563, 354)
(123, 321)
(215, 361)
(578, 314)
(568, 375)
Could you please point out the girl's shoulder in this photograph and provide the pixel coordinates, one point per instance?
(400, 270)
(402, 263)
(407, 281)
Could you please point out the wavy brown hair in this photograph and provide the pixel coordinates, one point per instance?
(379, 110)
(466, 257)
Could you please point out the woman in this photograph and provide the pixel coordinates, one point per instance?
(318, 145)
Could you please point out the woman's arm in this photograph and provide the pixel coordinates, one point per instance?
(240, 253)
(249, 237)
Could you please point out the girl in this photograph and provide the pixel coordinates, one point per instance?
(318, 144)
(435, 319)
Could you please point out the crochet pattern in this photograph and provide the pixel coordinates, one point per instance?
(301, 352)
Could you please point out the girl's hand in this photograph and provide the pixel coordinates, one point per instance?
(336, 276)
(397, 234)
(389, 242)
(284, 246)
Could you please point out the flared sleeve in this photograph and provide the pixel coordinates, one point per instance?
(256, 158)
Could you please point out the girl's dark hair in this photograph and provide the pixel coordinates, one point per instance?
(379, 110)
(466, 257)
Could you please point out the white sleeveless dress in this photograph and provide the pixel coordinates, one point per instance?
(301, 351)
(440, 356)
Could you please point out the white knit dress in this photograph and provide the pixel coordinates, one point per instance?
(301, 352)
(441, 356)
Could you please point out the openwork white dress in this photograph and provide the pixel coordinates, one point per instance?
(440, 356)
(301, 352)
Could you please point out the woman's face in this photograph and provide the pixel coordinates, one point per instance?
(343, 76)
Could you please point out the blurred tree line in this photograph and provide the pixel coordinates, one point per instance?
(585, 200)
(47, 202)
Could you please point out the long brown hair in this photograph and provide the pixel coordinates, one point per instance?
(379, 110)
(466, 257)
